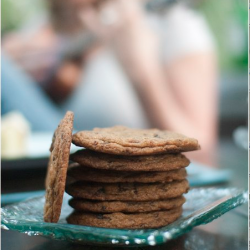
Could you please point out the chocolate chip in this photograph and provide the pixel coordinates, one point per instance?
(135, 189)
(99, 216)
(100, 191)
(156, 136)
(122, 187)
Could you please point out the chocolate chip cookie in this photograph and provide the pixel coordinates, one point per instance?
(110, 176)
(162, 162)
(57, 168)
(122, 220)
(125, 206)
(127, 191)
(121, 140)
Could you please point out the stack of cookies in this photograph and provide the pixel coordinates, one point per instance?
(128, 178)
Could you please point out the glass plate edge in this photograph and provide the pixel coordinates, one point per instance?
(133, 238)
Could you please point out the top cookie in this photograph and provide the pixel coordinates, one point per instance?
(121, 140)
(57, 168)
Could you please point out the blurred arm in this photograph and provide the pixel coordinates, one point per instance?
(179, 94)
(182, 96)
(33, 51)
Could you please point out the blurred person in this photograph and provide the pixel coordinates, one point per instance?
(112, 63)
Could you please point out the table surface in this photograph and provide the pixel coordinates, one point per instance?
(230, 231)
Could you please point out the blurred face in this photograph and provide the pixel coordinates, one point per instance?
(65, 14)
(83, 3)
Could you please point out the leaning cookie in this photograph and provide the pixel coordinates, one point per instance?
(57, 168)
(127, 191)
(160, 162)
(125, 206)
(122, 220)
(127, 141)
(110, 176)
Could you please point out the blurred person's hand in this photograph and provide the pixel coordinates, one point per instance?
(34, 52)
(38, 55)
(123, 25)
(64, 81)
(119, 24)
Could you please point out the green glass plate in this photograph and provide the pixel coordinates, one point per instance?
(203, 205)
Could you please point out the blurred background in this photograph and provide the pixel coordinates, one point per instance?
(177, 65)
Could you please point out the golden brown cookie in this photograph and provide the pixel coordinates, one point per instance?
(125, 206)
(127, 191)
(110, 176)
(57, 168)
(162, 162)
(127, 141)
(130, 221)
